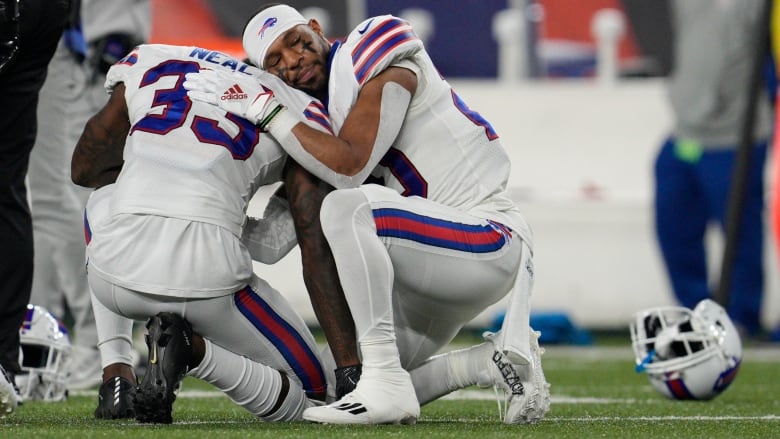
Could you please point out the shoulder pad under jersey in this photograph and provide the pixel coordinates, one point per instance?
(143, 56)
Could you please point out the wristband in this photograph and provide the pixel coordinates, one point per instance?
(279, 123)
(267, 120)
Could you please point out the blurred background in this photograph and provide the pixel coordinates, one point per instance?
(576, 90)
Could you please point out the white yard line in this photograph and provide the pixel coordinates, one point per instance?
(553, 419)
(661, 418)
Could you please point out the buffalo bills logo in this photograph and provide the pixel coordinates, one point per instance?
(268, 23)
(727, 377)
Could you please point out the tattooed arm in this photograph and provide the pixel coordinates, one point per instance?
(305, 194)
(97, 158)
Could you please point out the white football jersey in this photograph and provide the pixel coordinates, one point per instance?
(183, 158)
(445, 152)
(179, 204)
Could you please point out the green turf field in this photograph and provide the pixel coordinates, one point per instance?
(595, 393)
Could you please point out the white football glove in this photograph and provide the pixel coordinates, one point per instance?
(235, 93)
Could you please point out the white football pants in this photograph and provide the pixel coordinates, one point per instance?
(415, 271)
(255, 322)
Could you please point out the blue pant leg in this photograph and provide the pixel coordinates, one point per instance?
(747, 279)
(680, 222)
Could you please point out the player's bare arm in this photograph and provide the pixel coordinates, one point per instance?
(305, 194)
(348, 153)
(97, 158)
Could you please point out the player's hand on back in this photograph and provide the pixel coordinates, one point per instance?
(235, 93)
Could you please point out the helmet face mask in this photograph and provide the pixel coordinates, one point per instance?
(687, 354)
(44, 356)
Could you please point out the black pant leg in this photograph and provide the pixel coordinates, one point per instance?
(41, 26)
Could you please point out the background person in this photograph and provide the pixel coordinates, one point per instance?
(708, 92)
(71, 94)
(29, 41)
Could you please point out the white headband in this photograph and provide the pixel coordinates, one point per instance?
(265, 27)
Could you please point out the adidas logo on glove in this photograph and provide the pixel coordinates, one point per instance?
(233, 92)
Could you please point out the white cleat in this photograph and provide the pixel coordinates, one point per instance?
(381, 397)
(8, 396)
(526, 393)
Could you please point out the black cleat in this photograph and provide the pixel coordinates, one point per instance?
(169, 339)
(115, 399)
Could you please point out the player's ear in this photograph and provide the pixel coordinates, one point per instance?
(315, 25)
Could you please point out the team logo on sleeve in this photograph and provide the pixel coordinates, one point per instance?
(268, 23)
(234, 92)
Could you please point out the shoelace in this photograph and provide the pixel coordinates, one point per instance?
(511, 379)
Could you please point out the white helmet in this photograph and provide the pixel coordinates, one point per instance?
(44, 356)
(687, 354)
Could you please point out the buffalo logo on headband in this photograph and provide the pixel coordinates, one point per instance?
(265, 27)
(268, 23)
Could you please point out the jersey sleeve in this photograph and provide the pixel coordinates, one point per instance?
(122, 68)
(379, 43)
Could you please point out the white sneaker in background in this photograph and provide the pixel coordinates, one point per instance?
(8, 396)
(526, 393)
(84, 371)
(381, 397)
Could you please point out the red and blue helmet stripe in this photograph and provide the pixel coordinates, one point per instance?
(678, 389)
(28, 318)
